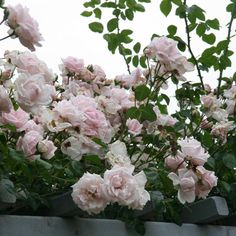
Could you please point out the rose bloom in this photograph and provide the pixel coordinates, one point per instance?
(73, 64)
(135, 78)
(88, 193)
(17, 118)
(209, 101)
(47, 149)
(134, 127)
(163, 48)
(231, 93)
(31, 125)
(122, 187)
(27, 62)
(5, 104)
(185, 181)
(208, 180)
(174, 162)
(32, 91)
(23, 26)
(28, 143)
(68, 112)
(192, 150)
(118, 154)
(221, 129)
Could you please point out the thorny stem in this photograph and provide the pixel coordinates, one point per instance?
(226, 48)
(189, 47)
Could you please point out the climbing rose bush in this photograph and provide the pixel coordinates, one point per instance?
(114, 141)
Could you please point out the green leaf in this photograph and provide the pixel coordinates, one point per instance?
(207, 139)
(142, 92)
(166, 7)
(137, 47)
(142, 61)
(131, 4)
(6, 191)
(139, 7)
(201, 29)
(177, 2)
(147, 113)
(96, 27)
(197, 12)
(112, 24)
(8, 126)
(98, 13)
(214, 24)
(172, 29)
(99, 142)
(132, 113)
(129, 14)
(135, 61)
(147, 1)
(229, 160)
(86, 13)
(209, 38)
(16, 155)
(108, 5)
(43, 163)
(166, 98)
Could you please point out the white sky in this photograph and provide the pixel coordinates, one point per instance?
(66, 33)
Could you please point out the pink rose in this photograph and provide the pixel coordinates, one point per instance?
(5, 104)
(28, 143)
(68, 112)
(23, 26)
(209, 101)
(17, 118)
(27, 62)
(95, 124)
(221, 129)
(134, 127)
(122, 187)
(31, 125)
(163, 48)
(133, 79)
(208, 181)
(118, 154)
(47, 149)
(174, 162)
(73, 64)
(192, 150)
(32, 92)
(88, 193)
(230, 93)
(185, 181)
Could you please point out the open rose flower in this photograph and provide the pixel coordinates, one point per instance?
(23, 26)
(185, 182)
(134, 127)
(193, 151)
(118, 154)
(28, 143)
(122, 187)
(17, 118)
(32, 92)
(88, 193)
(47, 149)
(208, 180)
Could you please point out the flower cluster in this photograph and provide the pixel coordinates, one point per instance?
(93, 193)
(189, 175)
(111, 140)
